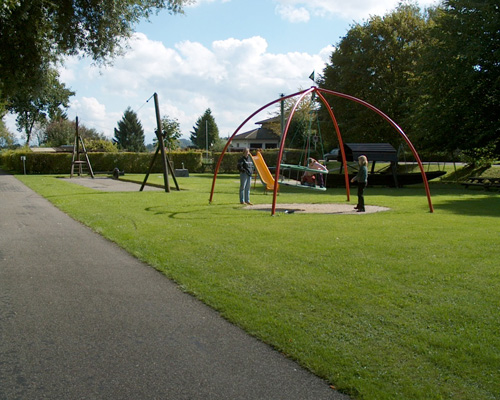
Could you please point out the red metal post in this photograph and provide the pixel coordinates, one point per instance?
(282, 146)
(398, 129)
(341, 144)
(236, 132)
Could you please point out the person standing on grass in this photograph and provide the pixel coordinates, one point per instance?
(245, 166)
(362, 179)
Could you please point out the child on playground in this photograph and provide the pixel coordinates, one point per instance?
(362, 179)
(309, 177)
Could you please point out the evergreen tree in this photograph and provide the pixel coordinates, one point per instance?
(199, 133)
(130, 135)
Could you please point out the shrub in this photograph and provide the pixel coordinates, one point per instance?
(60, 163)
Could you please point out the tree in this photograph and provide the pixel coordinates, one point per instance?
(171, 132)
(7, 139)
(377, 62)
(461, 78)
(35, 34)
(130, 134)
(199, 133)
(303, 126)
(61, 131)
(37, 106)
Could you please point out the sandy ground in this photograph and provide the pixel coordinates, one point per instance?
(315, 208)
(107, 184)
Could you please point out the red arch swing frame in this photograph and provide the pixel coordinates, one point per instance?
(320, 92)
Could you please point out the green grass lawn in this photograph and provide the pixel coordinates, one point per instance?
(403, 304)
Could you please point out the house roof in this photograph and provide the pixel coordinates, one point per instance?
(269, 120)
(257, 134)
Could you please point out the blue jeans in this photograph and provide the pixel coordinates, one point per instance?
(245, 183)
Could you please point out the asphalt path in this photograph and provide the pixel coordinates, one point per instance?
(82, 319)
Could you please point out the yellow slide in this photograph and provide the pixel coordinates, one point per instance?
(263, 171)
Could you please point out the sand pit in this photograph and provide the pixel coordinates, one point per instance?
(301, 208)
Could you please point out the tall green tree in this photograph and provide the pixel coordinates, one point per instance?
(205, 123)
(461, 78)
(37, 33)
(130, 135)
(38, 105)
(377, 62)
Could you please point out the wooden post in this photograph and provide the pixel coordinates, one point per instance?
(161, 144)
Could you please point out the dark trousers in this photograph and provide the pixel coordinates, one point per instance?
(361, 195)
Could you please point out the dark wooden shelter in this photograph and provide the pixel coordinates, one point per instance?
(374, 152)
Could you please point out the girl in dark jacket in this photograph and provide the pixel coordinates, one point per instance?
(362, 179)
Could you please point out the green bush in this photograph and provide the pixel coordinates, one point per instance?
(229, 162)
(60, 163)
(136, 163)
(36, 163)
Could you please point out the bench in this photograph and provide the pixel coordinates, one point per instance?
(482, 181)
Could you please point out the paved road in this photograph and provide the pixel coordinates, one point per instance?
(82, 319)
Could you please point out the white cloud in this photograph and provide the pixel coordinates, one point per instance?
(232, 77)
(292, 14)
(352, 10)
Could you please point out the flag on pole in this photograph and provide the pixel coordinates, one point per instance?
(312, 77)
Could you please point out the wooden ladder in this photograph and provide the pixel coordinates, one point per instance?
(78, 150)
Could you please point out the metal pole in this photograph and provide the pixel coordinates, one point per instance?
(282, 117)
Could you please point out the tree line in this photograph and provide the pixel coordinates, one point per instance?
(128, 135)
(435, 72)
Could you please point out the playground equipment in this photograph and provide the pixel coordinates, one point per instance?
(79, 150)
(160, 148)
(320, 93)
(296, 183)
(263, 170)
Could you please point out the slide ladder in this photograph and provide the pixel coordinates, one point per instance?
(263, 170)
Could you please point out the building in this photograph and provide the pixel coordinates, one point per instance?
(265, 137)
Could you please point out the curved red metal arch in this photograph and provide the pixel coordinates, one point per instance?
(319, 92)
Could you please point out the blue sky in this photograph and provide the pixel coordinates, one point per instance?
(232, 56)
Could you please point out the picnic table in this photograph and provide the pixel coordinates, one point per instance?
(482, 181)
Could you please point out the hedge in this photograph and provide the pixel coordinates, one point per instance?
(134, 163)
(60, 163)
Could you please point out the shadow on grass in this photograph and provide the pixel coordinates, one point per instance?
(195, 213)
(481, 206)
